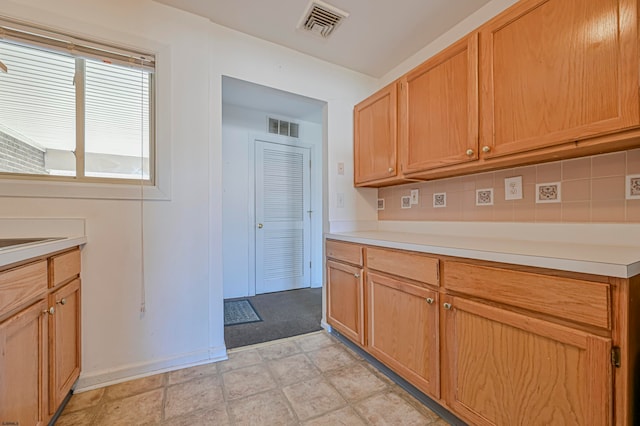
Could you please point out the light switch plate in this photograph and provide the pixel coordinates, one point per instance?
(380, 203)
(513, 188)
(341, 168)
(415, 194)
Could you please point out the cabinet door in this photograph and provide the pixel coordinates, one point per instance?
(64, 342)
(345, 296)
(403, 330)
(23, 367)
(375, 136)
(439, 109)
(505, 368)
(554, 71)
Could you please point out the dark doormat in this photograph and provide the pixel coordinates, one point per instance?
(239, 312)
(284, 314)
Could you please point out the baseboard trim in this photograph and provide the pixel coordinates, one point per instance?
(135, 371)
(412, 390)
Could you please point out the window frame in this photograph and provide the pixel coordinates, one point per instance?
(29, 36)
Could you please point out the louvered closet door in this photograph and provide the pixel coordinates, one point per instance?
(282, 217)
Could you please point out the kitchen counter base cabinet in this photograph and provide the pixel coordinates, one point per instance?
(39, 337)
(495, 344)
(505, 368)
(345, 300)
(402, 330)
(23, 367)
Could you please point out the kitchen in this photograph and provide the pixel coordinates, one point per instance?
(182, 248)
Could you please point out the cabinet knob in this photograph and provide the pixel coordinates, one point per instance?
(49, 311)
(62, 301)
(430, 300)
(390, 169)
(447, 306)
(260, 226)
(486, 148)
(356, 275)
(470, 152)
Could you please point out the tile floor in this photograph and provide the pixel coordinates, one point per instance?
(305, 380)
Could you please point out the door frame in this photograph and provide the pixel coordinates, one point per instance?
(251, 214)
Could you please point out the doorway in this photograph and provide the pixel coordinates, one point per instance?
(283, 217)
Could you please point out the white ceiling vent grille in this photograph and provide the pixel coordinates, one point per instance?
(321, 19)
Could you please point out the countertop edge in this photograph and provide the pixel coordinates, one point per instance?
(20, 254)
(618, 270)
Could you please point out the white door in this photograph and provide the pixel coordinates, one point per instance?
(283, 225)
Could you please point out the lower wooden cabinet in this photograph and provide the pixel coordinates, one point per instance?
(345, 300)
(23, 367)
(39, 339)
(403, 330)
(495, 344)
(504, 368)
(64, 342)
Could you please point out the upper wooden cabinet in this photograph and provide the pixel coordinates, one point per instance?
(439, 109)
(375, 137)
(555, 71)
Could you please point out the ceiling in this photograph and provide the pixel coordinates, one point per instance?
(375, 37)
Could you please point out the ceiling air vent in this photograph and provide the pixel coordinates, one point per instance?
(321, 18)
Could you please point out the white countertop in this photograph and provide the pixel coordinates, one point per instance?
(600, 259)
(28, 251)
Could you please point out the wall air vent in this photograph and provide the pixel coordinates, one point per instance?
(281, 127)
(321, 19)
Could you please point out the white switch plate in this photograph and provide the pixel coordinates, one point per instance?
(380, 203)
(415, 194)
(340, 200)
(341, 168)
(513, 188)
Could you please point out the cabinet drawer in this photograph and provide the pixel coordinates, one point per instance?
(576, 300)
(64, 266)
(345, 252)
(404, 264)
(22, 284)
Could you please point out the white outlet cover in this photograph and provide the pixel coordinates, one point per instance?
(513, 188)
(415, 194)
(439, 200)
(632, 190)
(405, 202)
(380, 203)
(550, 192)
(484, 197)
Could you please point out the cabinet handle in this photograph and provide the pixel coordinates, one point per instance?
(486, 148)
(470, 152)
(49, 311)
(447, 306)
(390, 169)
(429, 300)
(62, 301)
(356, 275)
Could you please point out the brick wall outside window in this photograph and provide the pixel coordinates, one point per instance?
(19, 157)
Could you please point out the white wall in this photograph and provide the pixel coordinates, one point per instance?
(239, 128)
(183, 234)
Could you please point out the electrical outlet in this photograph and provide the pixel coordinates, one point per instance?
(513, 188)
(340, 200)
(415, 194)
(341, 168)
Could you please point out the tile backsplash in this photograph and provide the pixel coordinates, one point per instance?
(600, 188)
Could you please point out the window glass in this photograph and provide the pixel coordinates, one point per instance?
(116, 121)
(37, 111)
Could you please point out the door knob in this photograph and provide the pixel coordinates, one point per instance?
(260, 226)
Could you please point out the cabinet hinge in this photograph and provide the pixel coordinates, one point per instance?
(615, 356)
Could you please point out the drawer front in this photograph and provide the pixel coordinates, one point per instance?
(404, 264)
(64, 267)
(576, 300)
(346, 252)
(20, 285)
